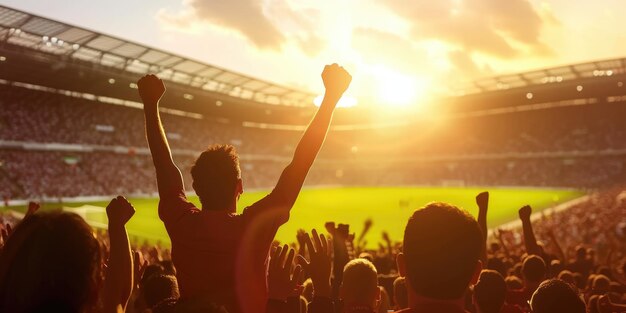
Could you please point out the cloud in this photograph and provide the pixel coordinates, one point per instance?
(503, 29)
(268, 25)
(380, 47)
(376, 46)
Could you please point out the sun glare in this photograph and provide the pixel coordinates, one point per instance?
(344, 102)
(398, 89)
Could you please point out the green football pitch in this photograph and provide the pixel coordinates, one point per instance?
(388, 207)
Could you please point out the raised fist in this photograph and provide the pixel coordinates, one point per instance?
(33, 207)
(524, 212)
(482, 200)
(336, 80)
(119, 211)
(151, 89)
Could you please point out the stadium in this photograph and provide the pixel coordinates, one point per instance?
(72, 136)
(137, 178)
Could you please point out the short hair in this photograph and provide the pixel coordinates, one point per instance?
(534, 269)
(215, 174)
(567, 277)
(51, 262)
(360, 280)
(160, 288)
(442, 246)
(490, 291)
(513, 283)
(601, 285)
(556, 296)
(400, 293)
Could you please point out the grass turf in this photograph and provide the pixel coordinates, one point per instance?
(389, 207)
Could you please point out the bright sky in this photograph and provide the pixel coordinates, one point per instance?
(397, 50)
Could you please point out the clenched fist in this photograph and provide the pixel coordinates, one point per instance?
(524, 212)
(482, 200)
(151, 89)
(119, 211)
(336, 80)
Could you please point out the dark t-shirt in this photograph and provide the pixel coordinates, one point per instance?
(222, 256)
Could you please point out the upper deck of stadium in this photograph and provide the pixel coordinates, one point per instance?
(55, 54)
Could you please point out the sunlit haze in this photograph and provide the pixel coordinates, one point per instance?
(400, 52)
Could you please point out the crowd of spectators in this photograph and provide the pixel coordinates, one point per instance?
(27, 174)
(37, 116)
(568, 260)
(580, 248)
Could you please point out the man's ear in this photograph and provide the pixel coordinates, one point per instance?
(479, 268)
(401, 262)
(378, 293)
(239, 186)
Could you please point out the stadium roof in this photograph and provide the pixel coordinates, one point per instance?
(546, 76)
(58, 38)
(50, 36)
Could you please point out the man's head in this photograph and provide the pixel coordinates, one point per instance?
(556, 296)
(160, 288)
(533, 270)
(217, 177)
(581, 253)
(360, 283)
(490, 292)
(442, 245)
(52, 262)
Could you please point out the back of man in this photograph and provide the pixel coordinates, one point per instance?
(217, 252)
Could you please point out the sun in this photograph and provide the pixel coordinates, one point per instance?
(398, 89)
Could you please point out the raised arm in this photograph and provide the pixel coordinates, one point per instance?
(529, 236)
(336, 81)
(118, 283)
(169, 179)
(482, 200)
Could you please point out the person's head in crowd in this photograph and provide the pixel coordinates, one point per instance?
(360, 284)
(601, 285)
(367, 256)
(52, 262)
(400, 296)
(160, 288)
(592, 304)
(533, 271)
(556, 267)
(580, 280)
(581, 253)
(441, 250)
(217, 178)
(590, 279)
(513, 283)
(168, 267)
(556, 296)
(567, 277)
(152, 269)
(605, 270)
(497, 264)
(494, 247)
(489, 292)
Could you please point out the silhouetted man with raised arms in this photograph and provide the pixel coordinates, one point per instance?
(221, 255)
